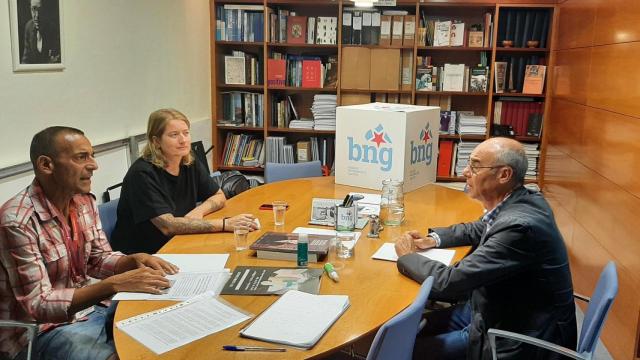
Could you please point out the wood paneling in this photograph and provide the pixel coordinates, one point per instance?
(614, 81)
(566, 121)
(571, 74)
(576, 20)
(617, 21)
(610, 146)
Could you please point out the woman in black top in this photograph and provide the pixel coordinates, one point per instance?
(162, 188)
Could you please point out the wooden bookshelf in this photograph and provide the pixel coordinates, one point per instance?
(468, 11)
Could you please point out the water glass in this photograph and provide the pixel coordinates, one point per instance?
(392, 202)
(279, 209)
(345, 245)
(240, 235)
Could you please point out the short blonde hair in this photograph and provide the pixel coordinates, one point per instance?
(156, 126)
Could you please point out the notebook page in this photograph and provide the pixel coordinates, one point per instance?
(297, 318)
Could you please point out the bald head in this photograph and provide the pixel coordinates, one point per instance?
(508, 152)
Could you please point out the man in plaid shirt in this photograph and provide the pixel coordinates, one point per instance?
(51, 242)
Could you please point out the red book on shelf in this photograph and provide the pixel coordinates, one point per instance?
(296, 29)
(445, 154)
(311, 74)
(520, 119)
(507, 110)
(276, 72)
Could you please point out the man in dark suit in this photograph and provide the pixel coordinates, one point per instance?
(41, 39)
(516, 278)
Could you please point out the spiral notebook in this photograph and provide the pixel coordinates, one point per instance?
(168, 328)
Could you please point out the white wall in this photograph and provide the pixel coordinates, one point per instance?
(124, 59)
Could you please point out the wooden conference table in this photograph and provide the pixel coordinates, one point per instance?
(377, 291)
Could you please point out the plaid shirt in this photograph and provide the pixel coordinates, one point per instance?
(35, 274)
(490, 216)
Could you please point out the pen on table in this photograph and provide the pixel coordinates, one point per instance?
(346, 198)
(251, 348)
(331, 272)
(349, 201)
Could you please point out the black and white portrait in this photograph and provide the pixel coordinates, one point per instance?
(36, 35)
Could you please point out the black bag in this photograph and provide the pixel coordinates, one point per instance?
(232, 183)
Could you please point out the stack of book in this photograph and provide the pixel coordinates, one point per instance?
(533, 153)
(301, 124)
(454, 32)
(324, 111)
(278, 151)
(523, 114)
(241, 68)
(472, 125)
(464, 151)
(241, 109)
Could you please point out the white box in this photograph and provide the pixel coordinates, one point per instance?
(386, 141)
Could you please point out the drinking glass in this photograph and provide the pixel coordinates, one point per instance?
(279, 209)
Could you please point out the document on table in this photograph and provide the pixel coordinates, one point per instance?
(297, 319)
(184, 285)
(198, 273)
(369, 205)
(171, 327)
(388, 252)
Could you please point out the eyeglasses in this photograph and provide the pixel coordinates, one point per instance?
(474, 168)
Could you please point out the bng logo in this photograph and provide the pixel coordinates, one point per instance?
(375, 150)
(423, 150)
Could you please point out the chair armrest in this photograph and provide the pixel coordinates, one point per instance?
(493, 333)
(581, 297)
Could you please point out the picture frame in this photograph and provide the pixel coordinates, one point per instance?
(37, 41)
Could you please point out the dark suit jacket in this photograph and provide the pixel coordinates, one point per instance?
(517, 277)
(50, 41)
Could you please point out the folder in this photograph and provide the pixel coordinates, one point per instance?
(347, 27)
(385, 30)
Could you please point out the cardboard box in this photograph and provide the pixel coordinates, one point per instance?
(356, 62)
(386, 141)
(385, 64)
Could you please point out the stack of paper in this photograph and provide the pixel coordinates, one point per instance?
(532, 153)
(301, 124)
(199, 273)
(324, 111)
(388, 252)
(297, 319)
(472, 125)
(171, 327)
(464, 151)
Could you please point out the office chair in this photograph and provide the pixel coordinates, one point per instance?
(32, 331)
(108, 215)
(277, 172)
(599, 306)
(395, 339)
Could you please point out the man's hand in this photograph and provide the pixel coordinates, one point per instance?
(145, 279)
(412, 241)
(145, 260)
(246, 221)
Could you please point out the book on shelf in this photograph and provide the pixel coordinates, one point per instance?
(265, 280)
(478, 79)
(312, 74)
(534, 124)
(326, 30)
(456, 38)
(303, 151)
(283, 246)
(500, 71)
(442, 35)
(240, 22)
(534, 79)
(453, 77)
(276, 72)
(296, 29)
(240, 148)
(311, 30)
(445, 157)
(475, 36)
(241, 109)
(234, 71)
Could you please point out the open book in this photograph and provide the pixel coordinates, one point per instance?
(297, 319)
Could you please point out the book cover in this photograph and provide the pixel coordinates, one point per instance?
(327, 30)
(501, 76)
(534, 79)
(234, 70)
(288, 243)
(331, 72)
(276, 72)
(263, 280)
(442, 36)
(478, 79)
(311, 74)
(296, 29)
(445, 154)
(476, 38)
(456, 38)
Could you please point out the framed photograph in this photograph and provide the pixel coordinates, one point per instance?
(36, 35)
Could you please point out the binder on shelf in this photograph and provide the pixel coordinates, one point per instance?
(385, 30)
(366, 28)
(397, 30)
(375, 28)
(347, 27)
(409, 30)
(356, 33)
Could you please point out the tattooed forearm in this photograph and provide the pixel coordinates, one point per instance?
(170, 225)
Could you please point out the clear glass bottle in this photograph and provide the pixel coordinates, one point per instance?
(392, 202)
